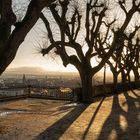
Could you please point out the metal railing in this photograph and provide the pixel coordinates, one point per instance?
(56, 93)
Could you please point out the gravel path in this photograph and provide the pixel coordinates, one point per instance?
(108, 118)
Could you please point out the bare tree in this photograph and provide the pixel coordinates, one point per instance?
(94, 19)
(131, 57)
(11, 40)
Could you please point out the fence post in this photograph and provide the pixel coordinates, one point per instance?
(29, 90)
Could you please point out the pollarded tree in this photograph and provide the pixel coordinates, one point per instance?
(131, 59)
(136, 61)
(89, 23)
(72, 22)
(11, 40)
(70, 29)
(124, 60)
(117, 60)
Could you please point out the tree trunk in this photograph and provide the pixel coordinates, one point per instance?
(87, 92)
(123, 80)
(115, 81)
(123, 77)
(136, 77)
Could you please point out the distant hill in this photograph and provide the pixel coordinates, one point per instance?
(35, 71)
(26, 70)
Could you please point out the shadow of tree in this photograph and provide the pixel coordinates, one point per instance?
(65, 108)
(126, 128)
(134, 92)
(56, 130)
(92, 119)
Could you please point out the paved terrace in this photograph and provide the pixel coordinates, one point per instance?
(108, 118)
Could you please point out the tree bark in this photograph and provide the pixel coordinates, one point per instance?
(129, 77)
(123, 77)
(136, 75)
(115, 81)
(87, 90)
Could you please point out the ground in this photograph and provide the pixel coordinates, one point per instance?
(114, 117)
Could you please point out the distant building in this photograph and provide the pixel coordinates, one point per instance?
(24, 81)
(32, 82)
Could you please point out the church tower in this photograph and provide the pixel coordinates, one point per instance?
(24, 79)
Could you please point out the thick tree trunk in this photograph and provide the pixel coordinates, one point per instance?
(87, 92)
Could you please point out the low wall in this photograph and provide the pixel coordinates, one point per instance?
(108, 89)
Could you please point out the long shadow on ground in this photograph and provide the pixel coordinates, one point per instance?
(92, 119)
(123, 123)
(129, 129)
(55, 131)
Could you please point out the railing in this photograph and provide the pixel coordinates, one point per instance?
(56, 93)
(52, 93)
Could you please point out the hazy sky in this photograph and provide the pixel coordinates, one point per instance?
(28, 54)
